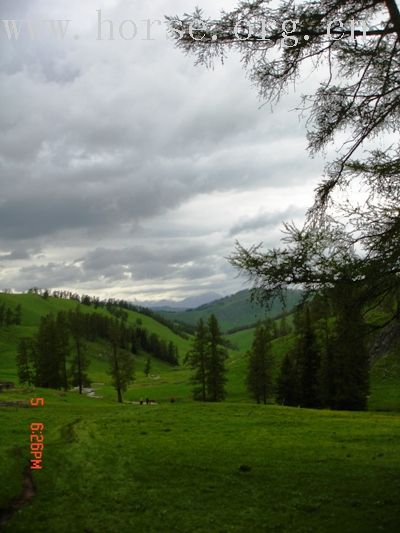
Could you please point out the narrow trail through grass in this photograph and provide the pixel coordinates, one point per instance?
(25, 498)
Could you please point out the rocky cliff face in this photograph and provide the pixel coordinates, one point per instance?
(385, 341)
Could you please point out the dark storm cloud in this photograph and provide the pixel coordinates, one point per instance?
(32, 216)
(81, 187)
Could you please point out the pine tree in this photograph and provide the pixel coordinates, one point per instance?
(121, 361)
(299, 380)
(327, 380)
(79, 362)
(9, 317)
(24, 361)
(320, 313)
(287, 383)
(259, 372)
(50, 353)
(351, 363)
(147, 367)
(135, 342)
(309, 362)
(17, 315)
(172, 354)
(2, 313)
(217, 354)
(62, 347)
(198, 360)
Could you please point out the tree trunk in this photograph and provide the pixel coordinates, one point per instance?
(117, 376)
(78, 351)
(203, 379)
(119, 395)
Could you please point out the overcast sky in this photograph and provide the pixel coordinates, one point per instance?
(127, 171)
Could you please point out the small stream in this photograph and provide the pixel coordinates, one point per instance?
(26, 496)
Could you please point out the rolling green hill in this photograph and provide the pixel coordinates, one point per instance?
(35, 306)
(165, 381)
(234, 311)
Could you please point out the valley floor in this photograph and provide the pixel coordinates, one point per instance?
(189, 467)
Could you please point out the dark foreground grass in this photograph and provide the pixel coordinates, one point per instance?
(188, 467)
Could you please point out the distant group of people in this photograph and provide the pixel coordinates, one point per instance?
(147, 401)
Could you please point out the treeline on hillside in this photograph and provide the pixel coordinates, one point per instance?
(329, 364)
(279, 326)
(115, 307)
(328, 367)
(208, 355)
(56, 356)
(9, 316)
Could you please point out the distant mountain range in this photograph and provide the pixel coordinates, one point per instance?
(232, 311)
(187, 303)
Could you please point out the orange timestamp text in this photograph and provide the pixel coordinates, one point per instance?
(36, 437)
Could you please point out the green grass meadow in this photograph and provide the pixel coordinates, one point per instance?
(189, 467)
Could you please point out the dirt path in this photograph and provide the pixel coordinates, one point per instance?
(26, 496)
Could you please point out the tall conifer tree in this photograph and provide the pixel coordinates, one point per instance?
(198, 361)
(121, 361)
(259, 371)
(79, 362)
(309, 363)
(287, 384)
(217, 354)
(24, 362)
(351, 361)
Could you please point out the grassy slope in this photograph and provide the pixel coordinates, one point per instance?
(232, 311)
(176, 468)
(165, 382)
(34, 307)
